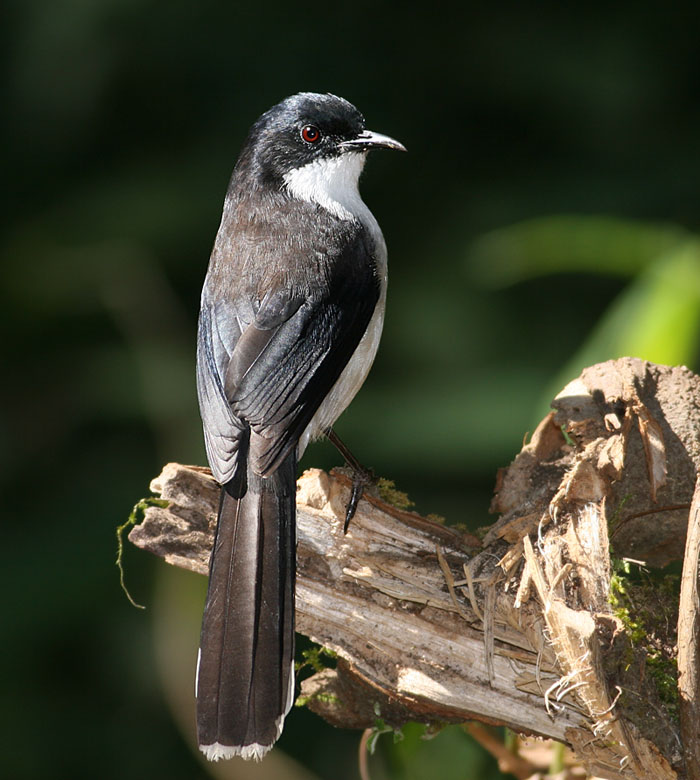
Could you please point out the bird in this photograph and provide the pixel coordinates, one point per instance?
(291, 314)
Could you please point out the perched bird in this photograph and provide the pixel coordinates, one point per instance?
(291, 314)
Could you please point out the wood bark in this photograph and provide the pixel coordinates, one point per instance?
(432, 624)
(689, 643)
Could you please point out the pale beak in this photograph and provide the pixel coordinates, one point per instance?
(369, 140)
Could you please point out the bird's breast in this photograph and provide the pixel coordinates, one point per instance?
(355, 372)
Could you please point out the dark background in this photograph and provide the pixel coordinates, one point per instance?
(543, 219)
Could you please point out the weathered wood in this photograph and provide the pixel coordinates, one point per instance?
(689, 643)
(431, 625)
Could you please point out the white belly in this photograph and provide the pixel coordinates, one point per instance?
(332, 184)
(351, 380)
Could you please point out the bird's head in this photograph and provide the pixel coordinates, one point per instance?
(311, 141)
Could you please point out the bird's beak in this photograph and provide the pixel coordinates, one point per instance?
(369, 140)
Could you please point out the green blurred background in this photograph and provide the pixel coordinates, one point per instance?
(545, 218)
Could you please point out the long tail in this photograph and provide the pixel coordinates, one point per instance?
(245, 675)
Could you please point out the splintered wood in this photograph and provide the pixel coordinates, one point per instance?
(431, 624)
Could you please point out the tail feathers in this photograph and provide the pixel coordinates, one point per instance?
(245, 674)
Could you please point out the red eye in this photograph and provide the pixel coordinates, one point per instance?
(311, 134)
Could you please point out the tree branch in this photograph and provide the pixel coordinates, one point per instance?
(430, 624)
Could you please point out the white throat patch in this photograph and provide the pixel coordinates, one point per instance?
(331, 183)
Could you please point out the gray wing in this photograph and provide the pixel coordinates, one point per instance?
(269, 370)
(219, 331)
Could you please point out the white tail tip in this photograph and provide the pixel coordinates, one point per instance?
(217, 751)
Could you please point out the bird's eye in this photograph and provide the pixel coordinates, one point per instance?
(311, 134)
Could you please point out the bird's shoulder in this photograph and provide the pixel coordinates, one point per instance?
(280, 243)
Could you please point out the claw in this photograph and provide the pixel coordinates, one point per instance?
(360, 479)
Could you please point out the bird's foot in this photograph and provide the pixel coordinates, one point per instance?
(361, 478)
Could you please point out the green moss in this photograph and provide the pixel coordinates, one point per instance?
(315, 659)
(379, 728)
(391, 495)
(615, 516)
(647, 605)
(567, 438)
(326, 698)
(135, 517)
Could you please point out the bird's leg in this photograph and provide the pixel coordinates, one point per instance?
(361, 476)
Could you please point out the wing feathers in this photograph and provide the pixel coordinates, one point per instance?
(286, 353)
